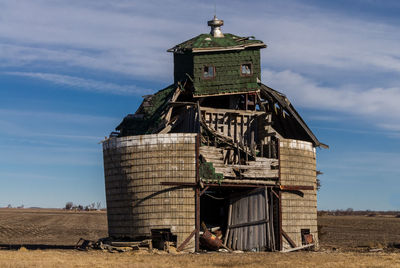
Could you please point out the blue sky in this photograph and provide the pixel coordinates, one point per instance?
(71, 70)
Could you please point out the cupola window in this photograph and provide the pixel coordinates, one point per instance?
(208, 72)
(246, 69)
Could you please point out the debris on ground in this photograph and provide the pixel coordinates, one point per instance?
(107, 244)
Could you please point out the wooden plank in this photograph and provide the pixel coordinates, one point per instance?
(241, 128)
(216, 121)
(280, 221)
(232, 111)
(197, 196)
(224, 183)
(235, 138)
(181, 103)
(229, 223)
(203, 191)
(233, 226)
(268, 231)
(295, 187)
(271, 218)
(186, 240)
(229, 125)
(298, 248)
(291, 242)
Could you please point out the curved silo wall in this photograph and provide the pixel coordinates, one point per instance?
(299, 211)
(135, 167)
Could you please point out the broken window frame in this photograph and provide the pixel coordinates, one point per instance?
(208, 77)
(250, 67)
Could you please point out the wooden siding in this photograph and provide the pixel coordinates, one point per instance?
(134, 167)
(227, 66)
(298, 167)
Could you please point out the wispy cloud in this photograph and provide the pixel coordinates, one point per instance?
(378, 105)
(84, 84)
(131, 37)
(307, 44)
(351, 130)
(327, 118)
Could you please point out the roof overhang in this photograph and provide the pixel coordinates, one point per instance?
(217, 49)
(225, 93)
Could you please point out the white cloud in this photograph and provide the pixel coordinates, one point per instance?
(379, 105)
(84, 84)
(131, 37)
(325, 118)
(308, 47)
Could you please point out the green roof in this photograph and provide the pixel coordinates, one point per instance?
(149, 115)
(207, 42)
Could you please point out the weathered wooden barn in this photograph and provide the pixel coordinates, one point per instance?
(218, 146)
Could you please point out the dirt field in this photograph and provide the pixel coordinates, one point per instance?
(50, 227)
(345, 242)
(358, 232)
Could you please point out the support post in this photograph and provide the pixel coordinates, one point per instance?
(280, 196)
(197, 234)
(197, 196)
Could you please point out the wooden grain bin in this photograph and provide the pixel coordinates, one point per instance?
(254, 155)
(137, 203)
(299, 209)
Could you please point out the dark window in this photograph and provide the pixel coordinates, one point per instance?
(208, 72)
(306, 237)
(246, 69)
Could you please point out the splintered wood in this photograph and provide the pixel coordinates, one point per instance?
(260, 168)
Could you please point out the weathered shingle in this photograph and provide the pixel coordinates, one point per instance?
(207, 41)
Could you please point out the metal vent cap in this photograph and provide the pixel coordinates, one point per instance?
(215, 25)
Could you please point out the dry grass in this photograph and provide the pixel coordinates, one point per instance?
(57, 258)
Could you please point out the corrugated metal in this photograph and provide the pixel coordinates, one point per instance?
(252, 210)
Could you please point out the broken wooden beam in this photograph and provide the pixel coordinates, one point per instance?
(184, 243)
(182, 103)
(287, 237)
(237, 184)
(295, 187)
(297, 248)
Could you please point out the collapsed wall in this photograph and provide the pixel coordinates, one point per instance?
(299, 209)
(137, 203)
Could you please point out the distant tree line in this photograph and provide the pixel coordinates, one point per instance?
(351, 211)
(91, 207)
(10, 206)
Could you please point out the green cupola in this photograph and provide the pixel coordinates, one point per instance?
(217, 63)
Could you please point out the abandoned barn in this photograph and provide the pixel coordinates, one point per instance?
(217, 159)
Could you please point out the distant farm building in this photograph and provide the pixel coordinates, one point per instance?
(217, 147)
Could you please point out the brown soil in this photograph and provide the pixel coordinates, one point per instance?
(358, 232)
(341, 240)
(50, 227)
